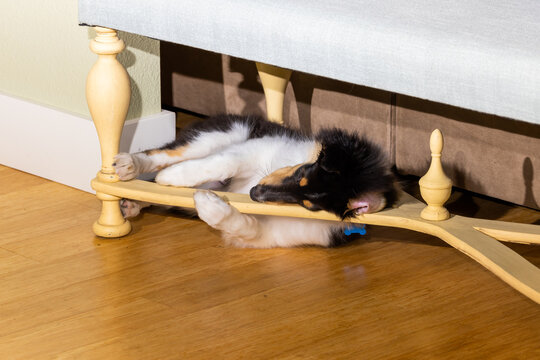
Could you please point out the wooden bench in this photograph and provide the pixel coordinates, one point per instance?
(479, 57)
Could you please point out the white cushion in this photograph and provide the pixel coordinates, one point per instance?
(482, 55)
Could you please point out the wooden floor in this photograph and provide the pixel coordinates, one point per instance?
(171, 290)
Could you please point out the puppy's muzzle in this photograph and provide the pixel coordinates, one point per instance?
(257, 193)
(275, 194)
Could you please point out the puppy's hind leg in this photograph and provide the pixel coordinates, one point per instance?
(239, 229)
(247, 231)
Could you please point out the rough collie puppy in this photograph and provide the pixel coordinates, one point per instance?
(334, 171)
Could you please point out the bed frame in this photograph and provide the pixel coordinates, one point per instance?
(108, 95)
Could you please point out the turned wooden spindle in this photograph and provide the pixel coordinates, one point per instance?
(435, 186)
(274, 81)
(108, 94)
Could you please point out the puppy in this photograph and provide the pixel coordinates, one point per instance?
(334, 171)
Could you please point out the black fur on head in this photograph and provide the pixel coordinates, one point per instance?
(350, 176)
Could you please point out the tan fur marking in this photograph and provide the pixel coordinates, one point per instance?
(277, 176)
(303, 182)
(307, 203)
(178, 152)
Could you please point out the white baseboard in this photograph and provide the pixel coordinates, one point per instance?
(64, 147)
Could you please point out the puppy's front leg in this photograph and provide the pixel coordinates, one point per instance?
(132, 208)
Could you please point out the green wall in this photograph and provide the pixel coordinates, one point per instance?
(45, 58)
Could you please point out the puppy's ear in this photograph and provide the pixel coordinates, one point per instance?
(326, 162)
(330, 169)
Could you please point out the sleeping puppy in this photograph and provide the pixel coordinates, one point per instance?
(334, 171)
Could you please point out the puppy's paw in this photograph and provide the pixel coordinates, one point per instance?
(211, 208)
(130, 208)
(125, 166)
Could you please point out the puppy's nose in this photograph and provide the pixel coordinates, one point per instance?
(256, 193)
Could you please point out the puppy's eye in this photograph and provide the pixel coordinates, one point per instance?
(316, 196)
(330, 170)
(300, 174)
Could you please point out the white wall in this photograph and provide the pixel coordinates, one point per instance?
(45, 58)
(45, 126)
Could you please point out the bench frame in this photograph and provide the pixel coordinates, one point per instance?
(108, 96)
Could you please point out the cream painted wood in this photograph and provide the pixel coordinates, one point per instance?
(435, 186)
(274, 81)
(509, 232)
(460, 232)
(108, 94)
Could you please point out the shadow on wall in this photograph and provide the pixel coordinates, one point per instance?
(205, 83)
(479, 145)
(483, 153)
(128, 59)
(343, 100)
(528, 177)
(182, 69)
(482, 120)
(249, 89)
(465, 203)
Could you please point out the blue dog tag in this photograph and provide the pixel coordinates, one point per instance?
(356, 229)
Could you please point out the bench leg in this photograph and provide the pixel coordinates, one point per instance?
(274, 81)
(108, 94)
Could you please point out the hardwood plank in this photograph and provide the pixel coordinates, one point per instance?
(292, 320)
(76, 331)
(15, 180)
(10, 261)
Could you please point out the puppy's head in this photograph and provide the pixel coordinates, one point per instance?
(350, 176)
